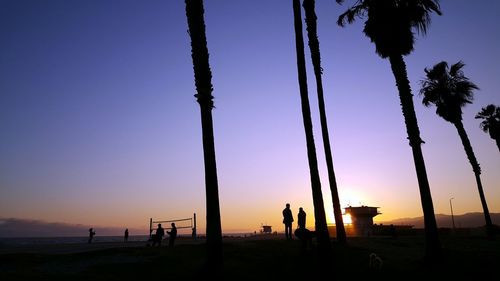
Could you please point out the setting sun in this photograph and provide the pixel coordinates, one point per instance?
(347, 219)
(331, 217)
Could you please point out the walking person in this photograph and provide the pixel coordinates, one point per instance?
(288, 220)
(91, 235)
(125, 236)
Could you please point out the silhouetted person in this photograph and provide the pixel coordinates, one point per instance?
(301, 218)
(125, 237)
(160, 232)
(172, 235)
(91, 235)
(287, 220)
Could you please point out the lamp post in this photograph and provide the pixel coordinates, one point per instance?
(452, 218)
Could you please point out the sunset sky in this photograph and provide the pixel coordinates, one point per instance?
(99, 126)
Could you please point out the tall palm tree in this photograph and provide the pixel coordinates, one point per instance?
(491, 121)
(203, 81)
(316, 60)
(450, 90)
(322, 235)
(389, 25)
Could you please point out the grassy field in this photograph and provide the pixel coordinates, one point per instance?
(465, 258)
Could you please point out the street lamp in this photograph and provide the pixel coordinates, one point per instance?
(452, 218)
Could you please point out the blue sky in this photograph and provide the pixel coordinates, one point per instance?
(99, 126)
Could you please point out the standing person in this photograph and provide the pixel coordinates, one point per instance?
(287, 220)
(301, 218)
(302, 232)
(160, 232)
(91, 234)
(172, 235)
(125, 237)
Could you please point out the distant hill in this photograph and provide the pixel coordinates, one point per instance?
(12, 227)
(465, 220)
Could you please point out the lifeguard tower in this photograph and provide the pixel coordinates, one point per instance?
(362, 218)
(266, 229)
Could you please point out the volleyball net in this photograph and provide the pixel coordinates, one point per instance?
(181, 224)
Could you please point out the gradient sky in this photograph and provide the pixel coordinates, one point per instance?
(99, 126)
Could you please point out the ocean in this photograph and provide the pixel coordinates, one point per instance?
(18, 241)
(26, 241)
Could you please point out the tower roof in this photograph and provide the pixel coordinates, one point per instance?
(362, 211)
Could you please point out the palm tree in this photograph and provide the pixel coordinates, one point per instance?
(203, 81)
(450, 90)
(322, 235)
(390, 25)
(491, 121)
(316, 60)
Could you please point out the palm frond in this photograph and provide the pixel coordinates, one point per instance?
(390, 24)
(419, 13)
(448, 89)
(456, 69)
(351, 14)
(436, 71)
(432, 6)
(486, 111)
(464, 89)
(490, 115)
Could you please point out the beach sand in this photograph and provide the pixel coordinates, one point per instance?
(66, 248)
(70, 248)
(249, 258)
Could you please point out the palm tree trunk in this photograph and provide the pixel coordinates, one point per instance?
(316, 60)
(477, 172)
(203, 77)
(494, 131)
(322, 235)
(433, 245)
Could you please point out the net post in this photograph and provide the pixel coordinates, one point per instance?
(150, 226)
(194, 226)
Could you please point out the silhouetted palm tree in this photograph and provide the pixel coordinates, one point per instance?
(449, 90)
(319, 209)
(203, 81)
(491, 121)
(316, 60)
(389, 25)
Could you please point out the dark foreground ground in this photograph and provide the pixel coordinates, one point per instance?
(262, 258)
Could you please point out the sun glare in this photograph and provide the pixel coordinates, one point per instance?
(330, 218)
(347, 219)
